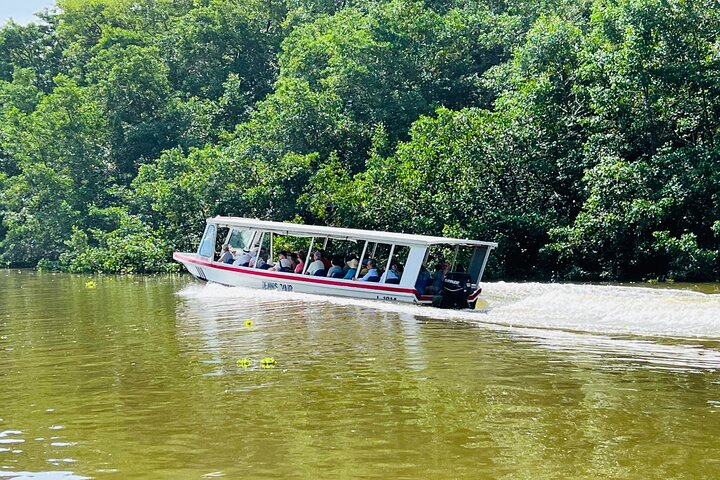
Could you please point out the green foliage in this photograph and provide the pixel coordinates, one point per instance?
(37, 215)
(582, 136)
(685, 259)
(128, 246)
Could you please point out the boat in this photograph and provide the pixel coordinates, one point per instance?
(463, 261)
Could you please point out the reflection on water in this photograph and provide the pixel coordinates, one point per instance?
(139, 378)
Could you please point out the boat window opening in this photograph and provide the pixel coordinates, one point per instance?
(240, 239)
(207, 244)
(343, 248)
(290, 243)
(399, 255)
(462, 259)
(477, 262)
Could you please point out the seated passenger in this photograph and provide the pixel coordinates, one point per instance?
(346, 267)
(244, 259)
(259, 262)
(441, 270)
(391, 276)
(326, 261)
(423, 280)
(283, 264)
(300, 265)
(372, 273)
(336, 271)
(350, 274)
(317, 264)
(226, 256)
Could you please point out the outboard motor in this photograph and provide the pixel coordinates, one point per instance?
(457, 287)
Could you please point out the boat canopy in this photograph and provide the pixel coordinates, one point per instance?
(348, 234)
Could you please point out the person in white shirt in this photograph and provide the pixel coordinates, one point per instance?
(283, 264)
(316, 265)
(244, 259)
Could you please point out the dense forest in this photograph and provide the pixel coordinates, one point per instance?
(583, 136)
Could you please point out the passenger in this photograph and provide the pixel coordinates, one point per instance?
(245, 259)
(260, 262)
(363, 267)
(326, 261)
(317, 264)
(283, 264)
(391, 276)
(352, 269)
(372, 273)
(346, 267)
(336, 270)
(226, 256)
(300, 265)
(423, 280)
(441, 270)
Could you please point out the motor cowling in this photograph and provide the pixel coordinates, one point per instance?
(456, 288)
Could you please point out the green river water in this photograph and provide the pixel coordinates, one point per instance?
(138, 377)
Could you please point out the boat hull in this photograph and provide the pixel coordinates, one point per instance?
(235, 276)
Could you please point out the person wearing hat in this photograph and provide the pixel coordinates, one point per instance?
(244, 259)
(353, 264)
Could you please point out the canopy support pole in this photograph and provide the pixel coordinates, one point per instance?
(362, 257)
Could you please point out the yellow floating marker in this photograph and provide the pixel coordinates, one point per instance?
(90, 284)
(268, 362)
(243, 362)
(248, 323)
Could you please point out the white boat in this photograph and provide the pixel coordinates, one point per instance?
(460, 284)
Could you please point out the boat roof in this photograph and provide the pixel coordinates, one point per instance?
(350, 234)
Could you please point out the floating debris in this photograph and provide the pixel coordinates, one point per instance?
(90, 284)
(248, 323)
(243, 362)
(268, 362)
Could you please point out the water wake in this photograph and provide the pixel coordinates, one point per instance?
(614, 310)
(660, 328)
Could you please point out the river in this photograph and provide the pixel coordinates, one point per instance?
(161, 377)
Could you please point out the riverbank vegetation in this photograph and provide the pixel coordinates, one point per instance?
(582, 136)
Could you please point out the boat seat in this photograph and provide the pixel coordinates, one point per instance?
(321, 273)
(395, 281)
(338, 275)
(373, 279)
